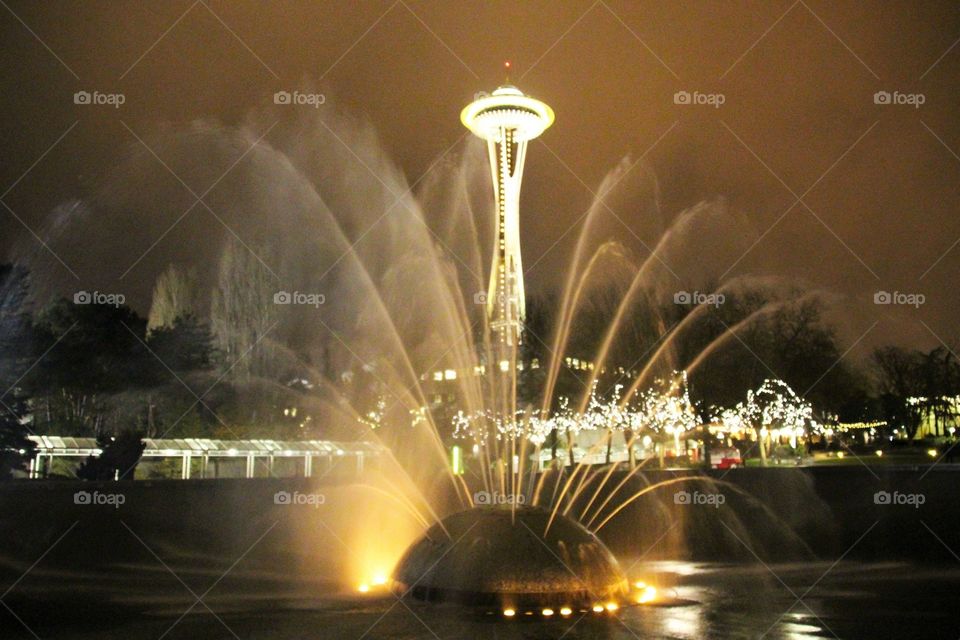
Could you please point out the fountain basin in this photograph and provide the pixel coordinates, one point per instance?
(498, 556)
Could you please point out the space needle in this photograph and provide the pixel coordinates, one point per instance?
(507, 119)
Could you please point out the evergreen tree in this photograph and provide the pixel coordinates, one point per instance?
(16, 449)
(118, 460)
(90, 351)
(184, 345)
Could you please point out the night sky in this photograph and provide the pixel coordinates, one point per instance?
(837, 191)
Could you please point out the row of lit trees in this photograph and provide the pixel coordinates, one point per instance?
(763, 330)
(662, 414)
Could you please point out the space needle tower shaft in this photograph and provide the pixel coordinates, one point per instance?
(507, 119)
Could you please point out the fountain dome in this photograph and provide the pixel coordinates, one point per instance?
(498, 556)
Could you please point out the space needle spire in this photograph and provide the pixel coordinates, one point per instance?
(507, 119)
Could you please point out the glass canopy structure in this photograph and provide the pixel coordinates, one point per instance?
(205, 458)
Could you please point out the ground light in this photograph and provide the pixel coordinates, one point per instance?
(648, 594)
(378, 580)
(643, 593)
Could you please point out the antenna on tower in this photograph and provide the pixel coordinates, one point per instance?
(506, 68)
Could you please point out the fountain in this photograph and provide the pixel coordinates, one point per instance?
(397, 274)
(507, 556)
(495, 556)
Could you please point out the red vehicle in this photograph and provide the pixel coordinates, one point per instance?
(725, 458)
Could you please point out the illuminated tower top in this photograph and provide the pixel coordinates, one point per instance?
(507, 119)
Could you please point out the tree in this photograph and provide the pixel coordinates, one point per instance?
(666, 413)
(755, 335)
(118, 459)
(175, 296)
(16, 449)
(243, 311)
(941, 376)
(773, 410)
(183, 345)
(901, 383)
(89, 352)
(914, 385)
